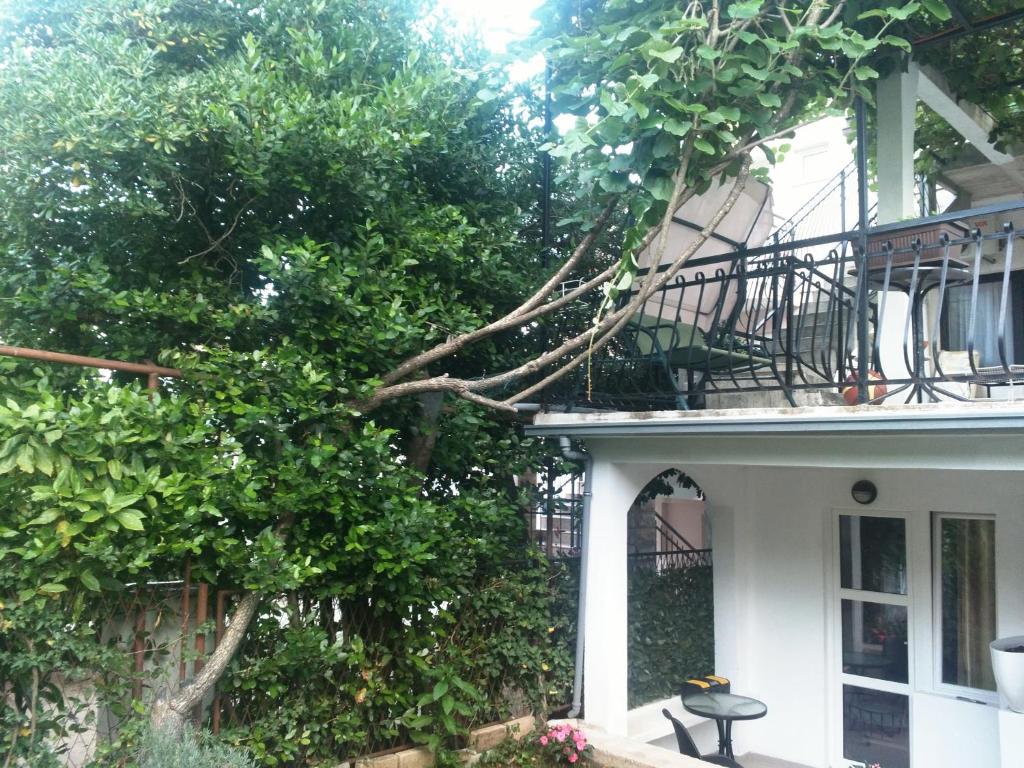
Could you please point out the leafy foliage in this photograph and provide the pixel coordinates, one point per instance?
(671, 630)
(283, 199)
(307, 687)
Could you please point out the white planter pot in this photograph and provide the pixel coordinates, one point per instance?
(1008, 668)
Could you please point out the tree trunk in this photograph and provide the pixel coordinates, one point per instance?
(171, 714)
(424, 438)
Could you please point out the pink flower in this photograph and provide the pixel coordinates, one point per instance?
(573, 758)
(543, 741)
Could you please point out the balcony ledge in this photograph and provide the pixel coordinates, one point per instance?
(976, 417)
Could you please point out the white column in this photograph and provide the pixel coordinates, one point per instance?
(604, 656)
(896, 104)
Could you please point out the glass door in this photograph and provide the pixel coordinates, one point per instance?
(873, 653)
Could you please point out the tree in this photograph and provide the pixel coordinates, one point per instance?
(326, 219)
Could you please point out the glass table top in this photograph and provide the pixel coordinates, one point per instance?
(724, 706)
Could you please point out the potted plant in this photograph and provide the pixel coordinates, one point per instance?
(1008, 667)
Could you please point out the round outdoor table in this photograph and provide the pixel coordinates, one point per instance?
(724, 708)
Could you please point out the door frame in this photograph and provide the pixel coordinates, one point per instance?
(834, 676)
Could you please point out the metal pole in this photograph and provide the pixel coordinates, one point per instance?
(202, 604)
(138, 648)
(186, 609)
(862, 252)
(217, 637)
(91, 362)
(549, 544)
(546, 180)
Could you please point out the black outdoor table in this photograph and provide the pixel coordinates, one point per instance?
(724, 708)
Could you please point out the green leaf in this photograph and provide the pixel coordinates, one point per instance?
(44, 460)
(671, 55)
(748, 9)
(732, 114)
(53, 588)
(769, 100)
(677, 127)
(704, 146)
(660, 186)
(130, 519)
(938, 9)
(904, 13)
(91, 582)
(24, 460)
(898, 42)
(46, 517)
(865, 73)
(440, 689)
(646, 81)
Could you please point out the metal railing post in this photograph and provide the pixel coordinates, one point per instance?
(862, 253)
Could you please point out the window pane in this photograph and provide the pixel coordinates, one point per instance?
(875, 640)
(873, 554)
(876, 727)
(968, 572)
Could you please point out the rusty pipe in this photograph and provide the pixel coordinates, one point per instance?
(92, 362)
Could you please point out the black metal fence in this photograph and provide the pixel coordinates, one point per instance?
(674, 558)
(920, 311)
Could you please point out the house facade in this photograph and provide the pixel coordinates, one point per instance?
(830, 611)
(854, 417)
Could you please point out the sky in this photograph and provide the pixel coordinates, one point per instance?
(499, 21)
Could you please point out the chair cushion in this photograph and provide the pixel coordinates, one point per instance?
(686, 346)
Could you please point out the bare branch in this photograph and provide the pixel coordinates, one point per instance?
(617, 321)
(514, 318)
(781, 5)
(172, 714)
(835, 13)
(215, 244)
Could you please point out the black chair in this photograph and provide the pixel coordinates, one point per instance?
(688, 748)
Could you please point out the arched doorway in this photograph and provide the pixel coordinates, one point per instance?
(670, 595)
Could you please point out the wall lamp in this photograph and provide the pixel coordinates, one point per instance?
(864, 492)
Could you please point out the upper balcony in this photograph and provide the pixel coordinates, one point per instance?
(924, 311)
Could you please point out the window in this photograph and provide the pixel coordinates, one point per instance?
(956, 319)
(965, 591)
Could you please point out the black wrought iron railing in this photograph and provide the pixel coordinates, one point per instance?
(675, 558)
(920, 311)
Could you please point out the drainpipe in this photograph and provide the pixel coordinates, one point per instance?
(588, 483)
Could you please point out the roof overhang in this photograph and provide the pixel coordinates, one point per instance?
(955, 418)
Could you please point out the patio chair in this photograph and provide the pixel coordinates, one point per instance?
(689, 748)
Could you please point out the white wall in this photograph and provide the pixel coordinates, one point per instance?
(772, 527)
(774, 600)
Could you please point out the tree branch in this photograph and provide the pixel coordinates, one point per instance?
(171, 714)
(619, 319)
(513, 318)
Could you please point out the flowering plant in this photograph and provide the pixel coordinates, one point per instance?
(561, 745)
(564, 744)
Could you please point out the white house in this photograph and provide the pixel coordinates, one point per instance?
(862, 622)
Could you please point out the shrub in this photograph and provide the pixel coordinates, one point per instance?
(558, 746)
(161, 749)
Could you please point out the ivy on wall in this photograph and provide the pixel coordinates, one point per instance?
(671, 630)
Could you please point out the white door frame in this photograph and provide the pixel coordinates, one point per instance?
(835, 594)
